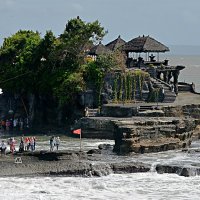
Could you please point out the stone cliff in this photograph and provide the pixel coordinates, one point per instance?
(135, 132)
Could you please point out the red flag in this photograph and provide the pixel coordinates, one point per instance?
(77, 131)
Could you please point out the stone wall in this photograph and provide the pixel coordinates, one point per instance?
(186, 87)
(118, 111)
(191, 110)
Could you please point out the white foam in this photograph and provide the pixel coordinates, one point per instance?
(138, 186)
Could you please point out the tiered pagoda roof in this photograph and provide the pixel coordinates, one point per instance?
(99, 50)
(144, 44)
(116, 44)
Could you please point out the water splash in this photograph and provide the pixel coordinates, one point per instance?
(153, 166)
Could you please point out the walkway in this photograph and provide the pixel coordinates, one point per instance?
(183, 98)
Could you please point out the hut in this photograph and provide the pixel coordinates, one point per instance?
(144, 44)
(99, 49)
(116, 44)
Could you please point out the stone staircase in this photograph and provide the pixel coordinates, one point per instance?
(169, 96)
(150, 111)
(93, 112)
(143, 108)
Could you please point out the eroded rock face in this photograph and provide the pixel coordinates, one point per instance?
(192, 110)
(145, 135)
(96, 127)
(141, 134)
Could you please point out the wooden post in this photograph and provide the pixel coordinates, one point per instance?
(80, 142)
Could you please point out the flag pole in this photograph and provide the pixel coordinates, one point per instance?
(80, 142)
(78, 132)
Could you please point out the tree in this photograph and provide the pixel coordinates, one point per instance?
(71, 50)
(23, 71)
(16, 60)
(61, 74)
(75, 39)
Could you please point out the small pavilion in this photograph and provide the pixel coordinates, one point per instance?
(161, 69)
(116, 44)
(99, 49)
(145, 44)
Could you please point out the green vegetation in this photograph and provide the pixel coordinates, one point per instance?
(154, 95)
(49, 67)
(127, 84)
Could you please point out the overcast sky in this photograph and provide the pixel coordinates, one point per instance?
(169, 21)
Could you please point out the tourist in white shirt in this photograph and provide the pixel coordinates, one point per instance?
(3, 147)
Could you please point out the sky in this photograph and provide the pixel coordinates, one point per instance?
(172, 22)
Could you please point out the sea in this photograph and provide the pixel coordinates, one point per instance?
(137, 186)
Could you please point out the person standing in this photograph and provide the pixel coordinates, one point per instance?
(52, 142)
(12, 145)
(57, 141)
(32, 144)
(21, 145)
(3, 148)
(26, 144)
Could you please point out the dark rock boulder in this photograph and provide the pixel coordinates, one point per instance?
(130, 167)
(181, 171)
(105, 146)
(94, 151)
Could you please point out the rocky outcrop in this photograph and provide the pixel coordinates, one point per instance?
(74, 163)
(145, 135)
(141, 134)
(191, 110)
(144, 129)
(68, 163)
(176, 169)
(129, 167)
(96, 127)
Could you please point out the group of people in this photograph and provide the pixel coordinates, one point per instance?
(14, 124)
(26, 144)
(29, 143)
(54, 143)
(11, 142)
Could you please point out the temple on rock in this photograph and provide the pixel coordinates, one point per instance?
(137, 107)
(140, 55)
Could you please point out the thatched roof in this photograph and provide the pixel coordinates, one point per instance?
(99, 50)
(116, 44)
(144, 44)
